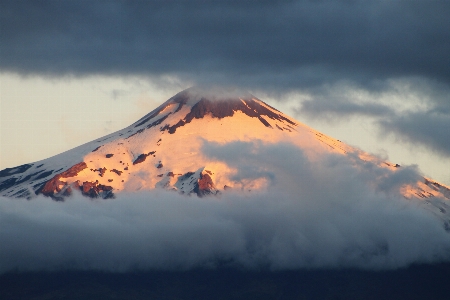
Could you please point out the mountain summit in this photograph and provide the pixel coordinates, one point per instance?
(168, 149)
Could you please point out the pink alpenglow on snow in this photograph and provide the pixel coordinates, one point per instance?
(177, 138)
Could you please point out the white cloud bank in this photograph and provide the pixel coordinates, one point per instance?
(321, 215)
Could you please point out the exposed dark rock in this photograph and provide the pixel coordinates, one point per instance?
(39, 166)
(160, 175)
(94, 190)
(428, 182)
(438, 187)
(140, 158)
(291, 127)
(159, 121)
(66, 190)
(74, 170)
(105, 187)
(172, 129)
(165, 127)
(205, 182)
(171, 174)
(148, 118)
(205, 186)
(15, 170)
(226, 187)
(139, 131)
(109, 155)
(43, 175)
(110, 180)
(6, 184)
(88, 189)
(126, 168)
(264, 122)
(21, 193)
(116, 171)
(96, 149)
(17, 180)
(102, 171)
(40, 185)
(226, 108)
(52, 186)
(160, 165)
(187, 175)
(180, 98)
(151, 115)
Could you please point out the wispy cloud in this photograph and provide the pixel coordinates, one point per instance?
(321, 214)
(414, 111)
(426, 128)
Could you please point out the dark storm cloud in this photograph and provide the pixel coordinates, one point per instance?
(283, 44)
(273, 46)
(314, 214)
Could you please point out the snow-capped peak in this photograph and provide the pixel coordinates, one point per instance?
(168, 148)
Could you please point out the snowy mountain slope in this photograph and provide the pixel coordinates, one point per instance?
(165, 149)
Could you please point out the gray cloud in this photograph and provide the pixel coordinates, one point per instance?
(417, 111)
(266, 43)
(322, 214)
(326, 108)
(318, 215)
(426, 128)
(273, 46)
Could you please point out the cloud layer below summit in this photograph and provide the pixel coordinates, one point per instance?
(321, 214)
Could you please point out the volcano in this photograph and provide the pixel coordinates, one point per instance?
(165, 149)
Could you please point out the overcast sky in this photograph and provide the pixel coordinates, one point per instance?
(374, 73)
